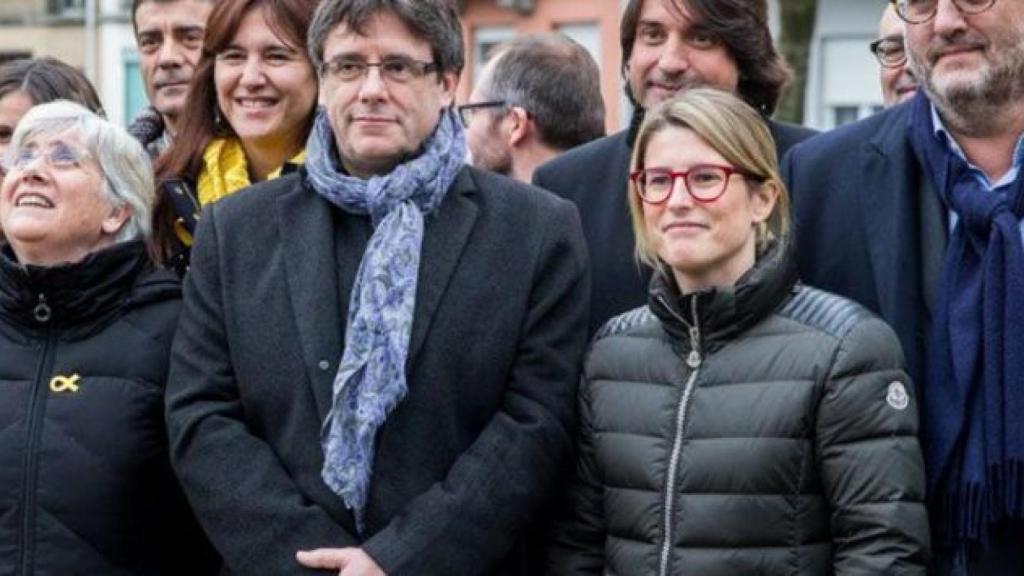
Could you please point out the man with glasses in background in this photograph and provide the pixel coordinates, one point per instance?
(376, 364)
(897, 81)
(537, 97)
(916, 213)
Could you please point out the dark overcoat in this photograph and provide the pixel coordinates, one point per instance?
(469, 457)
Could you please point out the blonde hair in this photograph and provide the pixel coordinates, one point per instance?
(734, 130)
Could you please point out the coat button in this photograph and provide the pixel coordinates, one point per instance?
(324, 364)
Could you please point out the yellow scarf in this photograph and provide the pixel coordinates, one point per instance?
(225, 171)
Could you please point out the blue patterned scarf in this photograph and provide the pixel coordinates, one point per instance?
(371, 376)
(973, 397)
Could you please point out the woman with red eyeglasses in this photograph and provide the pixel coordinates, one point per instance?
(740, 423)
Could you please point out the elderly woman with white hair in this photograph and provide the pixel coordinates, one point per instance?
(86, 322)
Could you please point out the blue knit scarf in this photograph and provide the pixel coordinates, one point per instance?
(371, 378)
(974, 390)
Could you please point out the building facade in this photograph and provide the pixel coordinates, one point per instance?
(842, 82)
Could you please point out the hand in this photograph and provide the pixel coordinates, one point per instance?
(348, 561)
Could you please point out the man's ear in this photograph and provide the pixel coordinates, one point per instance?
(449, 82)
(521, 125)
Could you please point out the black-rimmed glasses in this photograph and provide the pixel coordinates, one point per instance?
(397, 69)
(921, 11)
(466, 111)
(704, 182)
(889, 51)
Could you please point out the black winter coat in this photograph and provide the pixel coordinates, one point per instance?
(762, 430)
(86, 486)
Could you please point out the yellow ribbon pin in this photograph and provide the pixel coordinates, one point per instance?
(64, 383)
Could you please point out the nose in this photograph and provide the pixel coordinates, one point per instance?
(372, 86)
(252, 72)
(679, 197)
(675, 56)
(29, 169)
(169, 55)
(948, 18)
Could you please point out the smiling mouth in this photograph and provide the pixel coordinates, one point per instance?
(255, 103)
(685, 226)
(31, 199)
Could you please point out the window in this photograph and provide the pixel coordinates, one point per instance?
(850, 86)
(134, 91)
(485, 39)
(70, 8)
(8, 56)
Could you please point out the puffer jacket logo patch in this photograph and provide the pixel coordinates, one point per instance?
(59, 384)
(897, 396)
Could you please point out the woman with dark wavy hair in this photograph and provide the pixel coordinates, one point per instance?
(251, 105)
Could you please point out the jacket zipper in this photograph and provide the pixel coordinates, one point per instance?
(693, 360)
(36, 406)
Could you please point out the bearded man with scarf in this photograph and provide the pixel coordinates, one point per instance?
(916, 213)
(376, 363)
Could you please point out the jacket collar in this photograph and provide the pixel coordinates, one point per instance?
(69, 295)
(721, 313)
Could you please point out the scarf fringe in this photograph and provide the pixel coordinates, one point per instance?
(967, 516)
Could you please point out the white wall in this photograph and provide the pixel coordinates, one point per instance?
(841, 71)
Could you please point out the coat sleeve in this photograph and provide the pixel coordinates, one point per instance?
(576, 540)
(242, 495)
(869, 458)
(471, 519)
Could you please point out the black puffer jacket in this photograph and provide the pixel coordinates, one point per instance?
(86, 486)
(765, 430)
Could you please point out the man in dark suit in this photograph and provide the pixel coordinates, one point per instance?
(916, 213)
(376, 363)
(668, 46)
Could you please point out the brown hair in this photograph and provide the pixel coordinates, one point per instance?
(742, 27)
(201, 121)
(734, 130)
(48, 79)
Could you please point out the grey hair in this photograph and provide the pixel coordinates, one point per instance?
(435, 21)
(556, 81)
(127, 173)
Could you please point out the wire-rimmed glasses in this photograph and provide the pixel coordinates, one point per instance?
(890, 51)
(921, 11)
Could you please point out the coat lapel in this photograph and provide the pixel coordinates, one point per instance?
(305, 226)
(888, 205)
(444, 240)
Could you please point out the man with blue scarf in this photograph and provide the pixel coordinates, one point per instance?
(376, 363)
(916, 213)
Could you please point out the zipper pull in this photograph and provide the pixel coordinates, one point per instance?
(42, 312)
(693, 358)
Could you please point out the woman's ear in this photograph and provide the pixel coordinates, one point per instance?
(763, 197)
(112, 224)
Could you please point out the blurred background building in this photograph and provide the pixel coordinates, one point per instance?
(96, 36)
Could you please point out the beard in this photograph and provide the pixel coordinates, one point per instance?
(974, 95)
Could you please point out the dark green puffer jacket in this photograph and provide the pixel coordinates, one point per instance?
(763, 430)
